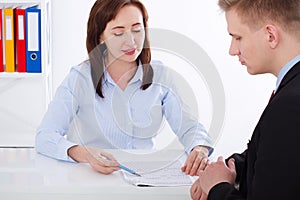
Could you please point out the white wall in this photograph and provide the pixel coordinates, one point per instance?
(203, 22)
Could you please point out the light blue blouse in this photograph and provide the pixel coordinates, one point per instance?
(128, 119)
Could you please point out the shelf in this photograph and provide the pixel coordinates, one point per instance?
(24, 97)
(19, 2)
(19, 75)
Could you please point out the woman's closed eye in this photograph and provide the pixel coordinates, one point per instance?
(118, 33)
(137, 30)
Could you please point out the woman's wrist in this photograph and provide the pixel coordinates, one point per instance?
(203, 149)
(78, 153)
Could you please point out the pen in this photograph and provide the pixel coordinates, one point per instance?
(123, 167)
(128, 170)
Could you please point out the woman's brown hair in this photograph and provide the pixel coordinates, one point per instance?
(102, 12)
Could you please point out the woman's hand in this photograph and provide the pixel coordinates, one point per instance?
(196, 161)
(99, 160)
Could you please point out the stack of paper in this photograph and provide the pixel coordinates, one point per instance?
(168, 175)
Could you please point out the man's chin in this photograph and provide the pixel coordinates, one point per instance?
(251, 72)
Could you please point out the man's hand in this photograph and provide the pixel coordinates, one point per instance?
(217, 172)
(196, 191)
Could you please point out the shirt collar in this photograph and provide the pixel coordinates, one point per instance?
(107, 78)
(285, 70)
(138, 74)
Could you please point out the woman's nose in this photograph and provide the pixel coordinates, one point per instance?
(129, 38)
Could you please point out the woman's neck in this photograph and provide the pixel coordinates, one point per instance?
(121, 72)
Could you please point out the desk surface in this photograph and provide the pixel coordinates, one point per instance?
(24, 174)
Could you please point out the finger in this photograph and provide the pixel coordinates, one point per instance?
(195, 167)
(108, 163)
(183, 168)
(100, 167)
(203, 196)
(196, 195)
(203, 165)
(220, 159)
(195, 192)
(101, 161)
(189, 162)
(108, 160)
(107, 170)
(231, 164)
(108, 155)
(200, 174)
(193, 189)
(208, 162)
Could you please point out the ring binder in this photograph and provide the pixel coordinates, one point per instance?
(20, 40)
(9, 40)
(33, 39)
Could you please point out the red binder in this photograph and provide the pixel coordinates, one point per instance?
(20, 39)
(1, 43)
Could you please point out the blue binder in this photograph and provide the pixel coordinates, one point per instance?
(33, 40)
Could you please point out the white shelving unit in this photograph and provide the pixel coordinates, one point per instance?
(24, 97)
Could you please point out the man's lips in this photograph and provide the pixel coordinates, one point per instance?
(242, 62)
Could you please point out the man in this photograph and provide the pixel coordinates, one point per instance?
(266, 38)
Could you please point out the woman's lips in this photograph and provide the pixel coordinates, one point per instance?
(129, 52)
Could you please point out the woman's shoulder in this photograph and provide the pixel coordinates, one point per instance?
(161, 72)
(83, 68)
(159, 68)
(78, 83)
(80, 73)
(157, 64)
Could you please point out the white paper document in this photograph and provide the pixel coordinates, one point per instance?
(167, 175)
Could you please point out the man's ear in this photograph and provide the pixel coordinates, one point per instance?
(272, 34)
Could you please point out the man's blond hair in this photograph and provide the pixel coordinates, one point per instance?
(256, 13)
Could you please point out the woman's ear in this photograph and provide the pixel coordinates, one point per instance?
(272, 33)
(101, 40)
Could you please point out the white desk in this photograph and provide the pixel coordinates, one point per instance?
(24, 174)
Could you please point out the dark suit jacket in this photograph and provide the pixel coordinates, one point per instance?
(270, 166)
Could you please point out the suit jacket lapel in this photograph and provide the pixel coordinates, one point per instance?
(294, 71)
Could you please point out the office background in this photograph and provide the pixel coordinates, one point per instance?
(203, 22)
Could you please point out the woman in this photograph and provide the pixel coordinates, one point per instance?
(117, 99)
